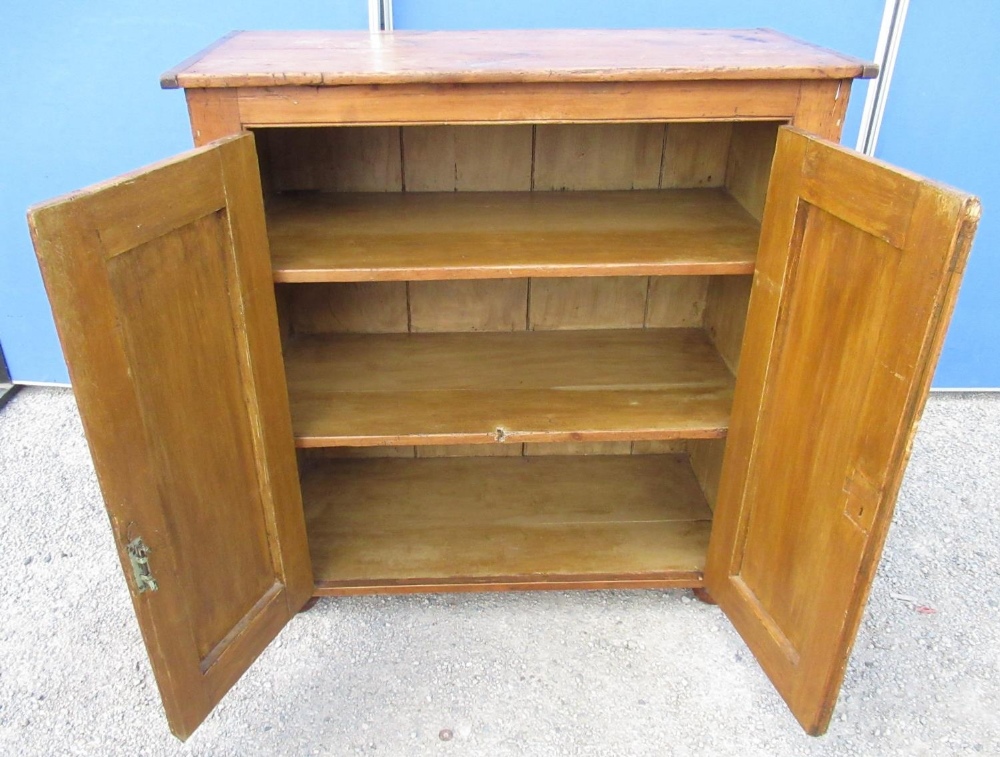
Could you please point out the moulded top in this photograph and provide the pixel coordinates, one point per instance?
(330, 58)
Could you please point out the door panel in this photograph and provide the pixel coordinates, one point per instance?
(160, 287)
(856, 275)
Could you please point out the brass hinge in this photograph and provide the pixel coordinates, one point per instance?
(138, 555)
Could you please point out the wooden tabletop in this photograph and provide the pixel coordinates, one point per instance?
(317, 58)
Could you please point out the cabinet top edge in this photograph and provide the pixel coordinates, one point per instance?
(337, 58)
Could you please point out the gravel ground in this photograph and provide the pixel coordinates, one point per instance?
(589, 673)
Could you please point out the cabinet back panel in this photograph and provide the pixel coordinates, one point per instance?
(524, 157)
(310, 454)
(501, 157)
(538, 304)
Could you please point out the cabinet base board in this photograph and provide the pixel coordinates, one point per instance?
(668, 580)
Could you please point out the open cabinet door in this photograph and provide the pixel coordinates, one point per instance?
(856, 276)
(160, 284)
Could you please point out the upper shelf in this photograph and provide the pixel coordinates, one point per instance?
(413, 236)
(325, 58)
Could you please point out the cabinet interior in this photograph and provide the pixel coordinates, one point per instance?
(511, 349)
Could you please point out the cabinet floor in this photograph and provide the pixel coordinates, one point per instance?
(489, 523)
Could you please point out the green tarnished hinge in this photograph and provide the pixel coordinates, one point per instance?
(138, 555)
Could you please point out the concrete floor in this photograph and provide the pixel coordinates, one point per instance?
(588, 673)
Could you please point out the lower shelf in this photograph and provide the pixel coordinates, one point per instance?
(497, 523)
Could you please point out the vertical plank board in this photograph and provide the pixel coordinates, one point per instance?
(695, 155)
(706, 461)
(467, 158)
(676, 301)
(667, 447)
(725, 315)
(484, 305)
(336, 159)
(362, 307)
(283, 294)
(598, 156)
(337, 453)
(751, 150)
(578, 448)
(612, 302)
(469, 450)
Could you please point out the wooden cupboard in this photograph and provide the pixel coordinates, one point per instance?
(498, 310)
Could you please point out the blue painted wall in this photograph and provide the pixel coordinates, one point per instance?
(80, 102)
(942, 120)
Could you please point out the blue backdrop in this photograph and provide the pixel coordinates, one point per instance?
(941, 120)
(82, 103)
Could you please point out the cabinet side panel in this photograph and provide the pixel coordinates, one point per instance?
(726, 306)
(214, 114)
(751, 151)
(706, 462)
(822, 106)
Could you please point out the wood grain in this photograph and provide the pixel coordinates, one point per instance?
(597, 156)
(822, 107)
(556, 102)
(336, 159)
(751, 150)
(468, 450)
(706, 462)
(695, 155)
(614, 302)
(669, 447)
(492, 305)
(213, 113)
(370, 237)
(312, 454)
(494, 158)
(676, 301)
(486, 388)
(725, 315)
(842, 336)
(579, 448)
(323, 58)
(499, 520)
(223, 522)
(359, 308)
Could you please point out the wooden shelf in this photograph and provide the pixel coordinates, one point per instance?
(465, 523)
(413, 236)
(528, 386)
